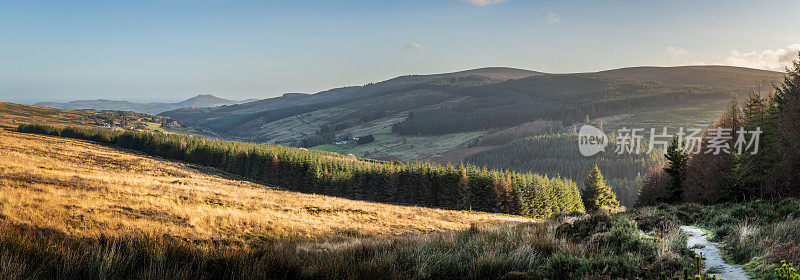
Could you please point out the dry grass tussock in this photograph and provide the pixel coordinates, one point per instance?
(87, 190)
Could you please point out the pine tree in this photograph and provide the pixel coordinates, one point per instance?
(597, 194)
(788, 106)
(676, 170)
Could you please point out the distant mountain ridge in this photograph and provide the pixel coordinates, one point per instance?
(199, 101)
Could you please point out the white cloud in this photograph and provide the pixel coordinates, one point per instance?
(553, 18)
(675, 51)
(766, 59)
(483, 2)
(415, 47)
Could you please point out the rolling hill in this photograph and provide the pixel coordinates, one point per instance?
(458, 117)
(279, 120)
(200, 101)
(441, 115)
(468, 101)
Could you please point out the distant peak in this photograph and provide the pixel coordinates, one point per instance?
(204, 96)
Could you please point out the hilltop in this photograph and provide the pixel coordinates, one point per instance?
(199, 101)
(724, 76)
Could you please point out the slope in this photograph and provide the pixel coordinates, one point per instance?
(13, 114)
(84, 189)
(469, 101)
(739, 78)
(338, 108)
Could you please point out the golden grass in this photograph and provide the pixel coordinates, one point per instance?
(88, 190)
(12, 114)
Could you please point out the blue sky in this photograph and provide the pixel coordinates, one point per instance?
(175, 49)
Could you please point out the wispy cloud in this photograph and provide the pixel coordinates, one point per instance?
(483, 2)
(765, 59)
(553, 18)
(675, 51)
(414, 47)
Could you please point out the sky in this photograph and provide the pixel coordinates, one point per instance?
(168, 50)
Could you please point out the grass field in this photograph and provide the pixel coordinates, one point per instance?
(84, 189)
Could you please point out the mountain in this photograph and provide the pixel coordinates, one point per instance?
(468, 101)
(200, 101)
(341, 107)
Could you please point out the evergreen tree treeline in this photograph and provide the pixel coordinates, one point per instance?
(558, 154)
(425, 184)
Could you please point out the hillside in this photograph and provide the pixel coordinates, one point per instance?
(84, 189)
(452, 117)
(738, 78)
(13, 114)
(297, 117)
(200, 101)
(468, 101)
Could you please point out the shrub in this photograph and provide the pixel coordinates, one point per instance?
(786, 272)
(624, 237)
(366, 139)
(583, 228)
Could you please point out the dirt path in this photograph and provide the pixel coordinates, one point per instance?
(713, 257)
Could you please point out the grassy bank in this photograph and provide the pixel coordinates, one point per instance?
(588, 247)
